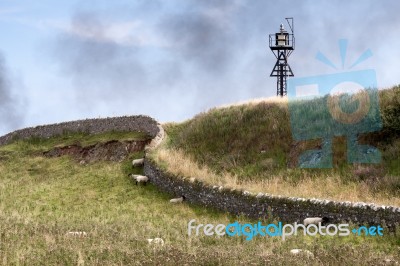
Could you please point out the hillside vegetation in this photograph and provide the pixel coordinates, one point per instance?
(251, 146)
(42, 199)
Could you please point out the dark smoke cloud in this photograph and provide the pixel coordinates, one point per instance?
(100, 68)
(200, 39)
(217, 47)
(11, 114)
(217, 51)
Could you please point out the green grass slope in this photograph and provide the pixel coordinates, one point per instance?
(254, 142)
(41, 199)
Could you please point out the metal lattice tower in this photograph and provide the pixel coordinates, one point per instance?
(282, 46)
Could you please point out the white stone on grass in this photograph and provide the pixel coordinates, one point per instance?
(298, 251)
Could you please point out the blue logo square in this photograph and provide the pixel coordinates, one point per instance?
(342, 104)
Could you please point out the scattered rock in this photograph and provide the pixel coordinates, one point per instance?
(156, 241)
(390, 262)
(298, 251)
(246, 193)
(77, 233)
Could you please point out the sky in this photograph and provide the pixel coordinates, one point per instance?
(171, 59)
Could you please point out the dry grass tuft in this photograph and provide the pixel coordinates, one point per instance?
(282, 101)
(249, 145)
(330, 187)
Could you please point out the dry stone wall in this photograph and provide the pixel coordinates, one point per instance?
(285, 209)
(138, 123)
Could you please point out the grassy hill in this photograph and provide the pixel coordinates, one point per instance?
(42, 199)
(251, 146)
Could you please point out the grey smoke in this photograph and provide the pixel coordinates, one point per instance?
(217, 52)
(99, 69)
(202, 40)
(11, 113)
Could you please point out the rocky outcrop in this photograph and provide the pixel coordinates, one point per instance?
(109, 151)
